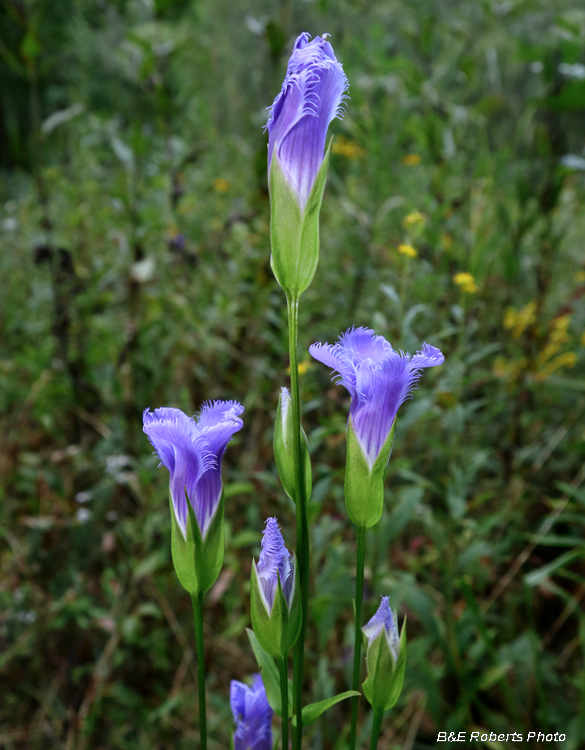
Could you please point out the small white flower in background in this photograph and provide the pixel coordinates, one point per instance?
(83, 515)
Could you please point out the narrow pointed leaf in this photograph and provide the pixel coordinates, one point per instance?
(313, 711)
(269, 672)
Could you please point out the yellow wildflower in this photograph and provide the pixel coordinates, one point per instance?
(519, 320)
(508, 369)
(414, 220)
(407, 250)
(568, 359)
(220, 185)
(349, 149)
(411, 160)
(466, 283)
(558, 335)
(580, 277)
(302, 367)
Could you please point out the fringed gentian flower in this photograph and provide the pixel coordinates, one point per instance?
(378, 378)
(192, 449)
(252, 714)
(383, 621)
(275, 564)
(275, 599)
(312, 95)
(386, 660)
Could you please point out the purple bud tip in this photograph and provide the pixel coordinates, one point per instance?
(275, 562)
(312, 95)
(383, 620)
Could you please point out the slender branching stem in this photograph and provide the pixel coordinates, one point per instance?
(197, 600)
(378, 716)
(359, 595)
(284, 699)
(301, 511)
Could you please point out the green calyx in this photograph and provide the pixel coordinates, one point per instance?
(294, 233)
(198, 561)
(284, 451)
(277, 631)
(364, 484)
(383, 685)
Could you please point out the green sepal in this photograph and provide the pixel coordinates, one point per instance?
(284, 451)
(313, 711)
(364, 484)
(270, 676)
(294, 234)
(277, 631)
(198, 561)
(383, 685)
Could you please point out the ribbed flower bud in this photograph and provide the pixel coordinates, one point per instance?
(312, 95)
(284, 451)
(275, 596)
(386, 658)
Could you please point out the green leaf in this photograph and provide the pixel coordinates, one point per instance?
(30, 46)
(269, 672)
(313, 711)
(493, 675)
(536, 577)
(239, 488)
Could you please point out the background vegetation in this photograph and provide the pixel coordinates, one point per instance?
(134, 272)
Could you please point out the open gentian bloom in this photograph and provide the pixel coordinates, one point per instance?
(275, 563)
(378, 378)
(312, 95)
(252, 714)
(192, 449)
(383, 620)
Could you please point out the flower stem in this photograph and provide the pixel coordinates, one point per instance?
(197, 600)
(359, 595)
(301, 508)
(378, 716)
(284, 699)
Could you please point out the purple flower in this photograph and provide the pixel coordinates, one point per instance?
(192, 449)
(252, 714)
(378, 378)
(275, 562)
(312, 95)
(383, 620)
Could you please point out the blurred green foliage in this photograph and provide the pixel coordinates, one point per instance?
(134, 272)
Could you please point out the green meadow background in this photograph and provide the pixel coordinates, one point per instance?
(134, 273)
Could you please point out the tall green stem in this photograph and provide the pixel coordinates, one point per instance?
(359, 595)
(284, 699)
(197, 601)
(378, 716)
(301, 508)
